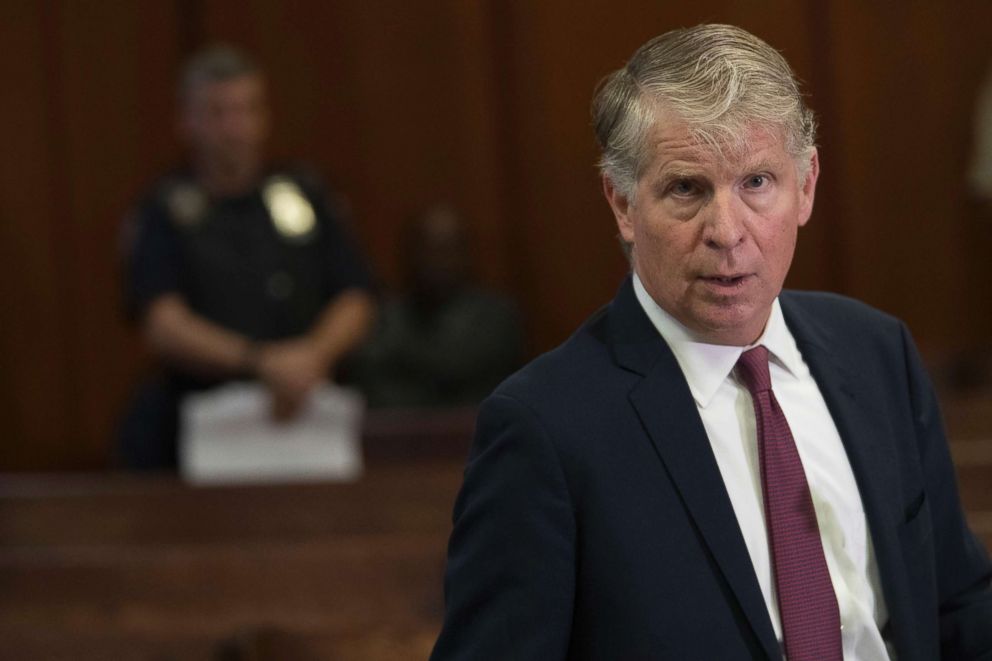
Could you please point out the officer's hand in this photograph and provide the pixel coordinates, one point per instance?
(291, 369)
(285, 407)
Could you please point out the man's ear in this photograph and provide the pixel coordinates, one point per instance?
(807, 188)
(620, 204)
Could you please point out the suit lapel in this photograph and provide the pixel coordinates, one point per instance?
(668, 413)
(869, 449)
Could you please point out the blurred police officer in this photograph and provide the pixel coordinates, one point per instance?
(236, 270)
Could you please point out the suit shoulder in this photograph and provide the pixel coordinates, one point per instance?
(838, 310)
(568, 368)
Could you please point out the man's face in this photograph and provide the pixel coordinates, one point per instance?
(438, 254)
(227, 122)
(713, 235)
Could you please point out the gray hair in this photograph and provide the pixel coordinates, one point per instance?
(215, 64)
(718, 79)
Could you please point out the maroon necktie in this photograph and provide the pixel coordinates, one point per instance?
(806, 600)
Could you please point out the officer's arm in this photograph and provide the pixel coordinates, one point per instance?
(342, 325)
(293, 367)
(183, 338)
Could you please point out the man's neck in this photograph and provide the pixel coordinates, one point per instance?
(221, 180)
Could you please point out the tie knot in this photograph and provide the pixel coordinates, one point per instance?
(752, 368)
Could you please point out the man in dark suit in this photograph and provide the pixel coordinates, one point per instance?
(711, 468)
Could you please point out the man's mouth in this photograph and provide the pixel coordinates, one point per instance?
(725, 280)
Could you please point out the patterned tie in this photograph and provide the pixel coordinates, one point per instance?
(806, 600)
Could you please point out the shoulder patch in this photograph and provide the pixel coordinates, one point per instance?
(187, 204)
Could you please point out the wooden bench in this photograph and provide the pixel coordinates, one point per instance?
(117, 566)
(102, 562)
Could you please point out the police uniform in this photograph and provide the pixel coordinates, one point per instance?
(264, 264)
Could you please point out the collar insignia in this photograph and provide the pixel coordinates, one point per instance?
(187, 205)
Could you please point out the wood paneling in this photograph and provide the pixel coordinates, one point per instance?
(483, 103)
(34, 355)
(905, 83)
(113, 120)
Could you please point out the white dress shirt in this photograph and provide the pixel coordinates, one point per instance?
(727, 413)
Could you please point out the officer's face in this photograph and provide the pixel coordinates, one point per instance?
(227, 122)
(713, 235)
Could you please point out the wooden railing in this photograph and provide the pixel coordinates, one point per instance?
(123, 567)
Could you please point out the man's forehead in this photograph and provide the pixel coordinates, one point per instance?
(675, 146)
(250, 83)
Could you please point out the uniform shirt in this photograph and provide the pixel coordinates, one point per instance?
(727, 413)
(234, 264)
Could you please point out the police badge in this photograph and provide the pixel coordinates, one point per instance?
(291, 212)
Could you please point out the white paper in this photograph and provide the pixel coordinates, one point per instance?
(228, 436)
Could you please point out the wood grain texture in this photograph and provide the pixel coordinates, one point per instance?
(133, 568)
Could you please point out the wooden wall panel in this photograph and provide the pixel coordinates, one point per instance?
(906, 77)
(33, 355)
(483, 103)
(87, 132)
(106, 54)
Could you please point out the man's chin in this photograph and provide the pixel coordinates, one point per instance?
(736, 325)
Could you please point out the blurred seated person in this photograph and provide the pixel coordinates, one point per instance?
(235, 269)
(446, 342)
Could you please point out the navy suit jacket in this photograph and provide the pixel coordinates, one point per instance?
(593, 522)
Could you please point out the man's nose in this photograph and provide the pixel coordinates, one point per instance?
(723, 221)
(233, 124)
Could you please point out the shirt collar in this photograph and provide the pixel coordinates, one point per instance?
(706, 366)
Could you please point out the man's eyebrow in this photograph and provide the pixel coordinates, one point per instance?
(677, 171)
(763, 163)
(666, 176)
(680, 173)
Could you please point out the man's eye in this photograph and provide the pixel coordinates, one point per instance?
(683, 188)
(757, 181)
